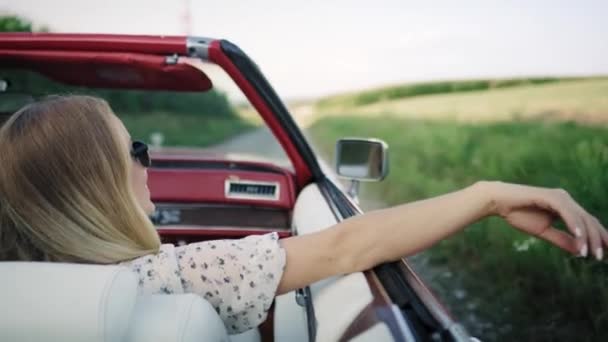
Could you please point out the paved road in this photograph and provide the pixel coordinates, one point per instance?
(259, 142)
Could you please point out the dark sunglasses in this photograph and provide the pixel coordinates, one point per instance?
(139, 152)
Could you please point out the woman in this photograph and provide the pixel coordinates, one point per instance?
(73, 189)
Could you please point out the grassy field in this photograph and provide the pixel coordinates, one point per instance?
(524, 288)
(581, 100)
(402, 91)
(408, 91)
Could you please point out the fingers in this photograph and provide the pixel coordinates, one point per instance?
(604, 236)
(595, 230)
(574, 222)
(595, 242)
(561, 239)
(591, 236)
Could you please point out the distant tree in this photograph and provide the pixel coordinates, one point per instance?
(11, 23)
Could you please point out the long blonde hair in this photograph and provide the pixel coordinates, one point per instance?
(65, 190)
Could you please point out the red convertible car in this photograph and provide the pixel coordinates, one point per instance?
(222, 193)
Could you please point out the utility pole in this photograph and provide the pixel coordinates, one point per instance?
(186, 18)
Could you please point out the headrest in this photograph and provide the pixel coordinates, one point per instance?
(65, 302)
(184, 318)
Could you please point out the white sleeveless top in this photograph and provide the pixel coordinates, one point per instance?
(238, 277)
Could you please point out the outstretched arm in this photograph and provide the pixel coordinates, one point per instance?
(364, 241)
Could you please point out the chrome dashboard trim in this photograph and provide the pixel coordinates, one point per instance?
(230, 181)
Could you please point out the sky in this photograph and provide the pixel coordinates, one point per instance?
(316, 48)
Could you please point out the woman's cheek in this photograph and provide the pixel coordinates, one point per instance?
(140, 188)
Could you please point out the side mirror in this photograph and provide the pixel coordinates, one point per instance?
(361, 159)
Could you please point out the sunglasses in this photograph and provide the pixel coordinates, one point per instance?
(139, 152)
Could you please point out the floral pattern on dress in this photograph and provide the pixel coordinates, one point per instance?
(239, 278)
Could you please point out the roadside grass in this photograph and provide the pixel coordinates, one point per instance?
(185, 129)
(527, 289)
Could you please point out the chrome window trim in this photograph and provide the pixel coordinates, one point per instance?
(198, 47)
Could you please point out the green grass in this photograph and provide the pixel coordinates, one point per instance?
(183, 129)
(403, 91)
(582, 100)
(542, 293)
(548, 294)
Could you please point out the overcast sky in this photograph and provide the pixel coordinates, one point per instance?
(312, 48)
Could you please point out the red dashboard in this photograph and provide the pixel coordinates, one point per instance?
(200, 199)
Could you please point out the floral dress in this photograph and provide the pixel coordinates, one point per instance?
(238, 277)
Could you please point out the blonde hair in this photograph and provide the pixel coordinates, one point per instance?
(65, 189)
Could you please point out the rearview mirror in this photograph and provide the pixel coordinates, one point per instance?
(362, 159)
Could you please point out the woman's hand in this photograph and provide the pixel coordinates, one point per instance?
(533, 210)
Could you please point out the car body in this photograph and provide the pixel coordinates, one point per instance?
(203, 196)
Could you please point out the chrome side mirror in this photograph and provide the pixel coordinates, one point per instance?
(361, 159)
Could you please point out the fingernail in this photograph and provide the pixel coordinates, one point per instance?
(584, 250)
(599, 253)
(577, 232)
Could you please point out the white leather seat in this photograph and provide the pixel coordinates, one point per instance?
(184, 317)
(72, 302)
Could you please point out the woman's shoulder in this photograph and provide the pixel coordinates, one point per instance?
(238, 277)
(172, 268)
(157, 272)
(164, 256)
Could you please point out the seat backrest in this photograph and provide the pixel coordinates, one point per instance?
(65, 302)
(72, 302)
(183, 318)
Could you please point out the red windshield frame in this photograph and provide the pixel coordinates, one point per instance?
(14, 45)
